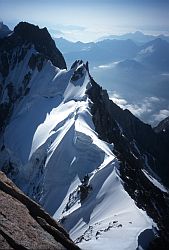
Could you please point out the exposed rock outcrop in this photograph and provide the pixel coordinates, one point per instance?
(25, 225)
(4, 30)
(42, 41)
(26, 33)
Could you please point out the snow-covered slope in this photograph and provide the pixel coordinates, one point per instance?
(62, 163)
(50, 148)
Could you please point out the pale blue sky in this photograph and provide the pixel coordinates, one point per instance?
(87, 20)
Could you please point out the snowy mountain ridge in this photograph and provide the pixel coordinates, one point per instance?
(50, 148)
(68, 130)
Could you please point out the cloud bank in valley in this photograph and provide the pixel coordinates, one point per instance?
(150, 109)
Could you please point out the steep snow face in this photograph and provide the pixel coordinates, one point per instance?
(108, 218)
(63, 164)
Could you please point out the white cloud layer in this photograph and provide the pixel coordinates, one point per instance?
(161, 115)
(150, 109)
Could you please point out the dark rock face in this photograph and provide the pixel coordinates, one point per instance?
(5, 109)
(42, 41)
(162, 129)
(163, 126)
(136, 145)
(25, 225)
(4, 30)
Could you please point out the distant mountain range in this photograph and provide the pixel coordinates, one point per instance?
(98, 53)
(154, 53)
(135, 70)
(137, 37)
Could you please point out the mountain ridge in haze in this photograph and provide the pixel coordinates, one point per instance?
(137, 36)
